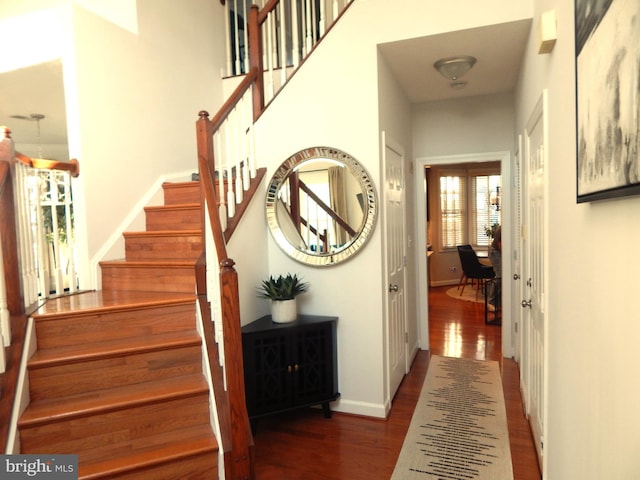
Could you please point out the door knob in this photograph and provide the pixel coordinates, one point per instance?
(393, 288)
(516, 276)
(526, 303)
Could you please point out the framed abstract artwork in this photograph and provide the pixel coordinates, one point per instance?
(607, 65)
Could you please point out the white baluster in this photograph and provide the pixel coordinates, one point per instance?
(283, 46)
(237, 128)
(314, 23)
(244, 127)
(323, 18)
(71, 243)
(56, 242)
(236, 39)
(228, 172)
(295, 49)
(308, 28)
(26, 201)
(219, 175)
(245, 35)
(42, 249)
(250, 134)
(271, 55)
(227, 38)
(335, 10)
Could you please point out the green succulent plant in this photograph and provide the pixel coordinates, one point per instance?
(282, 287)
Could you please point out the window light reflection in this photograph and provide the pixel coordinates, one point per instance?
(453, 341)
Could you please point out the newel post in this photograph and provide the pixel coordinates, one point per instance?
(8, 238)
(241, 438)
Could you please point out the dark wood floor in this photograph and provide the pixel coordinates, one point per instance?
(305, 446)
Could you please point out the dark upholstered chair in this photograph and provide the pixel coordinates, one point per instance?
(472, 269)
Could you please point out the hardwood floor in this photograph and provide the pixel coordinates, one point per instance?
(306, 446)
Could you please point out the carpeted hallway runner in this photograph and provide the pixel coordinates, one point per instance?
(459, 428)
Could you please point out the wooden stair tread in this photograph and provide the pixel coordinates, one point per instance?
(112, 348)
(108, 300)
(176, 206)
(163, 233)
(155, 263)
(171, 451)
(91, 403)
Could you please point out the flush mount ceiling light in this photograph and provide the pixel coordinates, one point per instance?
(453, 68)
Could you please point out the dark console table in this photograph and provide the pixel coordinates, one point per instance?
(290, 365)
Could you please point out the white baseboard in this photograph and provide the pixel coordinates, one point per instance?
(366, 409)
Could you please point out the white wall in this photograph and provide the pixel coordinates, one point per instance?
(248, 248)
(395, 122)
(136, 98)
(132, 96)
(343, 112)
(592, 318)
(463, 126)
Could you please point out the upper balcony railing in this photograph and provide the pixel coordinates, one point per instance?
(289, 30)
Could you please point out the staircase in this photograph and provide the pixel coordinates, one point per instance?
(117, 376)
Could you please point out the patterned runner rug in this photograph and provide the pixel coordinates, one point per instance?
(459, 428)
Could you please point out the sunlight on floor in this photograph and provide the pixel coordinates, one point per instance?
(453, 341)
(453, 344)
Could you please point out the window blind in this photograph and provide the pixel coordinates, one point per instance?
(452, 210)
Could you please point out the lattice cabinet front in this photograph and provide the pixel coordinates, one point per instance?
(290, 366)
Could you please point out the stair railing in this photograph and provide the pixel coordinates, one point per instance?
(36, 230)
(45, 227)
(319, 225)
(288, 32)
(228, 178)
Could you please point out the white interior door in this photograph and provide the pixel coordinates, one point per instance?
(395, 263)
(533, 273)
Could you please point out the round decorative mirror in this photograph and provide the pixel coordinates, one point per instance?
(321, 206)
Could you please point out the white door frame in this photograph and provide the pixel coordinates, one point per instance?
(421, 244)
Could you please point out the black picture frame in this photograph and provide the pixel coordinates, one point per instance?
(607, 66)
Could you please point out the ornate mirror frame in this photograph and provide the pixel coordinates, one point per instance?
(368, 201)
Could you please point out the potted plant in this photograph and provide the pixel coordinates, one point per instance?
(282, 291)
(490, 231)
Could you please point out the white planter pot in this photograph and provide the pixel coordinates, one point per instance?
(284, 311)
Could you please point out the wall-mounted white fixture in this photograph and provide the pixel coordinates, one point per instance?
(453, 68)
(547, 32)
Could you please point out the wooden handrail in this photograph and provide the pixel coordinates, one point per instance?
(341, 221)
(232, 101)
(72, 166)
(238, 449)
(266, 10)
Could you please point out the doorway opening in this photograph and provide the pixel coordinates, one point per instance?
(460, 199)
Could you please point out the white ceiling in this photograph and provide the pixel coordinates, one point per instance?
(499, 50)
(36, 89)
